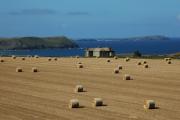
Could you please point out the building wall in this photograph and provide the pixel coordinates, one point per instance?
(99, 54)
(96, 54)
(86, 54)
(112, 54)
(104, 54)
(89, 53)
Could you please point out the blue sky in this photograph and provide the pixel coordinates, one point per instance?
(89, 18)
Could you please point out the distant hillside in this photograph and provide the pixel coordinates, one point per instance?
(142, 38)
(87, 40)
(149, 38)
(36, 43)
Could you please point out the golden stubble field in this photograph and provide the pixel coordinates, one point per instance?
(45, 95)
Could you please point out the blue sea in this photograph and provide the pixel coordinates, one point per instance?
(120, 47)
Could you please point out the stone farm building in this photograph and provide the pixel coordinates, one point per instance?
(99, 52)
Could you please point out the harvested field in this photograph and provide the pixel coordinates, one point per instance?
(46, 94)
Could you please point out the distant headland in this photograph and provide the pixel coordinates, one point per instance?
(36, 43)
(140, 38)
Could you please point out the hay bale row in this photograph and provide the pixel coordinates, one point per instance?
(143, 62)
(19, 69)
(117, 70)
(167, 59)
(50, 59)
(22, 58)
(74, 103)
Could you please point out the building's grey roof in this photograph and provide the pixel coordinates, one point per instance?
(99, 49)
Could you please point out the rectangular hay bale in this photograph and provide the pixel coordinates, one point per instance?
(149, 104)
(34, 69)
(127, 77)
(74, 103)
(79, 88)
(97, 102)
(18, 69)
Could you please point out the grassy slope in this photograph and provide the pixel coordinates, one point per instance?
(36, 43)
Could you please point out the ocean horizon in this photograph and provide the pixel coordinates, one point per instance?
(120, 47)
